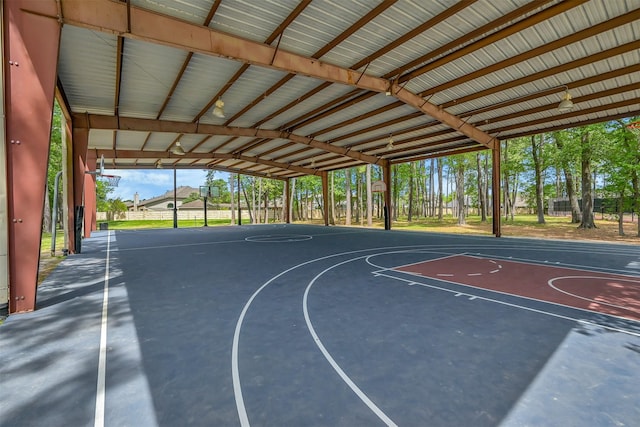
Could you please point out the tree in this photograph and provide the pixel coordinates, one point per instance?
(114, 208)
(54, 166)
(536, 152)
(565, 157)
(191, 197)
(587, 144)
(459, 164)
(621, 165)
(347, 190)
(232, 178)
(482, 182)
(102, 193)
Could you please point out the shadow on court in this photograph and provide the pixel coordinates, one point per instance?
(307, 326)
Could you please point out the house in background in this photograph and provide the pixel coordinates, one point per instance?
(163, 202)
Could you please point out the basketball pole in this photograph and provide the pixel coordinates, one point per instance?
(175, 200)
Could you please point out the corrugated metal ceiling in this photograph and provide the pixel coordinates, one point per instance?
(445, 45)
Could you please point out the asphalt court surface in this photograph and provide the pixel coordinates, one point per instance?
(294, 325)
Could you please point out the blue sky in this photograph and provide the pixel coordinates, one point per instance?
(153, 182)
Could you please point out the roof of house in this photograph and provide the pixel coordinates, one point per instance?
(182, 192)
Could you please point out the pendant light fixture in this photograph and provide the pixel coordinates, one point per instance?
(566, 104)
(218, 110)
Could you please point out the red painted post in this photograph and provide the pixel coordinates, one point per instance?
(90, 195)
(30, 60)
(386, 176)
(325, 196)
(79, 144)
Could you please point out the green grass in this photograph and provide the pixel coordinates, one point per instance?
(45, 244)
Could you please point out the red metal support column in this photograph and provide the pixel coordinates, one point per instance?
(30, 60)
(79, 143)
(90, 195)
(495, 188)
(286, 202)
(325, 196)
(386, 177)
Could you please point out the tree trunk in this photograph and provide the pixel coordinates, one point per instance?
(246, 199)
(266, 207)
(432, 188)
(460, 193)
(587, 198)
(576, 214)
(347, 190)
(46, 215)
(396, 193)
(410, 213)
(332, 202)
(481, 194)
(259, 215)
(292, 196)
(233, 199)
(621, 215)
(536, 151)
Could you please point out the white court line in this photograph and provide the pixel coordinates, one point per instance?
(548, 313)
(102, 359)
(550, 283)
(534, 247)
(353, 386)
(586, 268)
(235, 369)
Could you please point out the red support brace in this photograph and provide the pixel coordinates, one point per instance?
(31, 53)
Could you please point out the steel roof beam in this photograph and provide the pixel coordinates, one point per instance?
(135, 154)
(104, 15)
(91, 121)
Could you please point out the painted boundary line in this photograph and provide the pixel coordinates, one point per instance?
(102, 359)
(523, 307)
(336, 367)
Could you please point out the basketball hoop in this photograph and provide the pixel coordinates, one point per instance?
(110, 180)
(378, 187)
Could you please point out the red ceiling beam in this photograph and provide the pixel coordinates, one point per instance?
(104, 15)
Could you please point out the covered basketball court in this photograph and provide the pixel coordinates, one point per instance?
(309, 325)
(289, 88)
(296, 325)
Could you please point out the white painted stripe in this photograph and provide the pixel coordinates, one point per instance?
(494, 271)
(474, 274)
(353, 386)
(547, 313)
(444, 275)
(627, 308)
(235, 369)
(102, 358)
